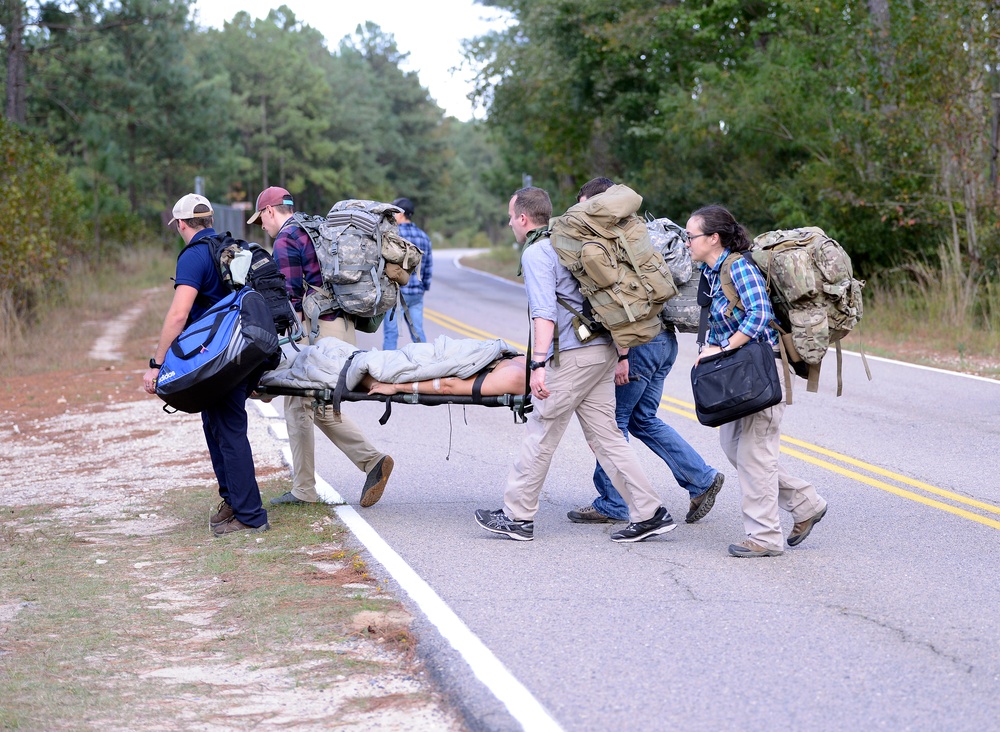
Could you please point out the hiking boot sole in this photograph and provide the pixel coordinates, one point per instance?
(591, 517)
(225, 531)
(379, 476)
(735, 550)
(707, 500)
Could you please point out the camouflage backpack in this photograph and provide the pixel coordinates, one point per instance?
(681, 311)
(606, 247)
(363, 258)
(817, 301)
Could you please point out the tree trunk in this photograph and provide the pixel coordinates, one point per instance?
(882, 43)
(16, 62)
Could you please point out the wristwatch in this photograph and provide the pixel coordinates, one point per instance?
(536, 365)
(154, 365)
(724, 344)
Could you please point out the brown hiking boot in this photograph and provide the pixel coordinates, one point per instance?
(234, 524)
(590, 515)
(801, 530)
(702, 504)
(375, 482)
(223, 513)
(751, 548)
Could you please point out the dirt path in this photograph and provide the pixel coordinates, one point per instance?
(118, 610)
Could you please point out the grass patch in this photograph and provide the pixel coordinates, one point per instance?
(70, 314)
(126, 612)
(102, 610)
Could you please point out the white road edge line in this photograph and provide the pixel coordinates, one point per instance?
(486, 667)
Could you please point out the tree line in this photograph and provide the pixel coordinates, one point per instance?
(140, 101)
(877, 121)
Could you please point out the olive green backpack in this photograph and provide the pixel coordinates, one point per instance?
(606, 247)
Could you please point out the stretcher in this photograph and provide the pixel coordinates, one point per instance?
(519, 404)
(333, 395)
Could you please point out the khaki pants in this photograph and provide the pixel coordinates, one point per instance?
(300, 418)
(583, 384)
(752, 445)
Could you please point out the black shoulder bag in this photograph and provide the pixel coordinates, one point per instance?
(734, 383)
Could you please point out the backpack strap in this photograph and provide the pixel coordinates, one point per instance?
(726, 282)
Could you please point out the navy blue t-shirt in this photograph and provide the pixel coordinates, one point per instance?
(196, 269)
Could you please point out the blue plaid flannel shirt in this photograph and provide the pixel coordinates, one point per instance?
(753, 293)
(420, 281)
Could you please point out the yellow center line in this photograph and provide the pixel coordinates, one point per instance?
(920, 485)
(893, 489)
(686, 409)
(890, 475)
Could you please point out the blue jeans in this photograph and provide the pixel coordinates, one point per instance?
(636, 406)
(390, 332)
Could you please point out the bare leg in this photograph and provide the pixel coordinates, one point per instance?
(506, 378)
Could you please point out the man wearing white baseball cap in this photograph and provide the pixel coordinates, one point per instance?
(197, 287)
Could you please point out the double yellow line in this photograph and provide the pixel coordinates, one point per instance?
(814, 454)
(687, 410)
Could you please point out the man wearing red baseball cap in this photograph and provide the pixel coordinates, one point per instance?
(296, 256)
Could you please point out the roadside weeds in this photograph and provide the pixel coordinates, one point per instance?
(120, 610)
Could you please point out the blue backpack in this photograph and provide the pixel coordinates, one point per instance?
(234, 338)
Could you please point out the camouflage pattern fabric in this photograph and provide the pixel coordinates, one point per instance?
(682, 311)
(362, 256)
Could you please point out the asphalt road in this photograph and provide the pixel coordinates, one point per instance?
(886, 617)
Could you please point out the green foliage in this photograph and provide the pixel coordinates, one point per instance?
(875, 127)
(44, 223)
(141, 102)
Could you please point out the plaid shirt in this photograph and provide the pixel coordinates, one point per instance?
(420, 281)
(757, 313)
(296, 257)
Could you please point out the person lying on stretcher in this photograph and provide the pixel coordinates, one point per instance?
(447, 366)
(505, 377)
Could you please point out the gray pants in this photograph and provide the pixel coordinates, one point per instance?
(583, 384)
(300, 418)
(752, 445)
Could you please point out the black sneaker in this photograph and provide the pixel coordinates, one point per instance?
(661, 523)
(287, 498)
(498, 523)
(702, 504)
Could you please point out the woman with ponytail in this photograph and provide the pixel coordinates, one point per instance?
(751, 443)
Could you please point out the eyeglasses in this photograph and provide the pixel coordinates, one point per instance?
(692, 237)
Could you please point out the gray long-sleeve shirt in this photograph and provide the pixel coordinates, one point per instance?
(544, 279)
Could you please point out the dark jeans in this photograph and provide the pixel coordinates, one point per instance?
(637, 403)
(225, 426)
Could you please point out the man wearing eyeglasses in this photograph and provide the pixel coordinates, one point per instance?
(296, 257)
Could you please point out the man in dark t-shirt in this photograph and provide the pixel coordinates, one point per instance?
(198, 286)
